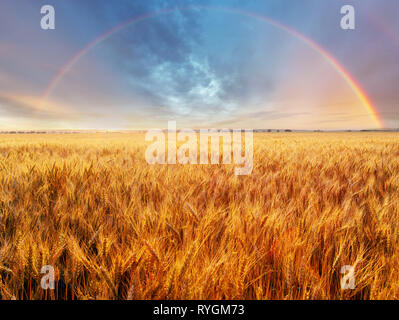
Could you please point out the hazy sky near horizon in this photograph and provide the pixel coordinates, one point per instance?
(202, 67)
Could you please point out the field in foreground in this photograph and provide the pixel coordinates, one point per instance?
(114, 227)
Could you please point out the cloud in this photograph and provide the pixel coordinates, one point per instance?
(31, 107)
(168, 60)
(246, 118)
(207, 66)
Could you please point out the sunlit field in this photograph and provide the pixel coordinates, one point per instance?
(115, 227)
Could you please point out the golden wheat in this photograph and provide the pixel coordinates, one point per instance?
(114, 227)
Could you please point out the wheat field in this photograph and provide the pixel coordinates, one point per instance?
(115, 227)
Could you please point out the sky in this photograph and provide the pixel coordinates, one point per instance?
(135, 64)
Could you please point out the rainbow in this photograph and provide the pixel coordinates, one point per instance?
(366, 102)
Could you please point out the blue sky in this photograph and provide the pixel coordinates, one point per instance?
(203, 67)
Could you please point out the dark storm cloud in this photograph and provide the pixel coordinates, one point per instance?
(167, 62)
(154, 54)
